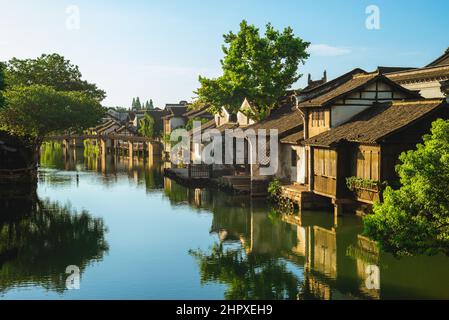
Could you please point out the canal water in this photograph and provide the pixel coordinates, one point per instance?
(133, 234)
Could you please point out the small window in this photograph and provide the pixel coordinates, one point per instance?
(294, 158)
(318, 118)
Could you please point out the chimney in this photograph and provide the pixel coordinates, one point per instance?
(310, 79)
(325, 76)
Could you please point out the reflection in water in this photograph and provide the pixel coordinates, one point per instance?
(40, 238)
(143, 172)
(174, 242)
(306, 257)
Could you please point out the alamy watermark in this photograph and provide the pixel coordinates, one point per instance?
(73, 280)
(73, 19)
(233, 146)
(373, 277)
(372, 22)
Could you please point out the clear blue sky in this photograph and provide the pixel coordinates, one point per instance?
(157, 49)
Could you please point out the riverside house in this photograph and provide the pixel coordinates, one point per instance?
(173, 119)
(351, 161)
(324, 108)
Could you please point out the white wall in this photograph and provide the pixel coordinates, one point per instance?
(222, 118)
(431, 89)
(341, 114)
(301, 165)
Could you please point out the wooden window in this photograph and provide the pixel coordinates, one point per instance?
(318, 118)
(375, 166)
(325, 163)
(333, 164)
(360, 162)
(367, 164)
(317, 162)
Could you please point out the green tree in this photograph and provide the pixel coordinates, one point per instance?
(415, 218)
(138, 104)
(38, 111)
(133, 106)
(50, 70)
(43, 96)
(33, 112)
(259, 68)
(149, 105)
(146, 128)
(2, 83)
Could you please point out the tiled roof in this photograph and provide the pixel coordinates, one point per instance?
(295, 138)
(284, 119)
(443, 60)
(205, 126)
(177, 112)
(202, 112)
(439, 72)
(310, 93)
(347, 86)
(377, 122)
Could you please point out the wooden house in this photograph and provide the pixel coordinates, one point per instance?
(353, 160)
(286, 121)
(173, 120)
(330, 105)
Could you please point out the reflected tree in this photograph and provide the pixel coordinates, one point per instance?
(40, 238)
(248, 276)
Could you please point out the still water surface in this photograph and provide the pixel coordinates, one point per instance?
(136, 235)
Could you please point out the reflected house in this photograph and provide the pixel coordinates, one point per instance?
(326, 264)
(367, 255)
(325, 251)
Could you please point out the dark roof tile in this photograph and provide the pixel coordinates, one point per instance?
(377, 122)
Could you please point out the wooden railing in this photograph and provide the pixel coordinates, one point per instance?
(199, 171)
(325, 185)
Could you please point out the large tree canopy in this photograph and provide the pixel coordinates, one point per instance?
(50, 70)
(47, 95)
(259, 68)
(38, 110)
(415, 218)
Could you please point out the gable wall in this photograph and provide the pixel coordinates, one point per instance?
(428, 89)
(345, 109)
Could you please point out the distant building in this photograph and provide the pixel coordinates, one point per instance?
(427, 80)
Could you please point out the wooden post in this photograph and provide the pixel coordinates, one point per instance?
(130, 150)
(149, 149)
(338, 210)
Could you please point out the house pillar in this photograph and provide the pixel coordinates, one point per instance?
(103, 149)
(338, 210)
(311, 168)
(131, 149)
